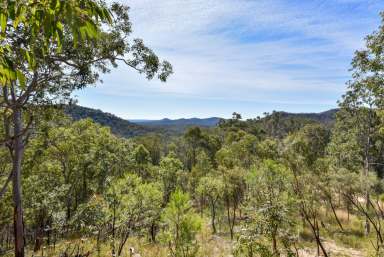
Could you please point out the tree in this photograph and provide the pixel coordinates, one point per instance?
(142, 160)
(92, 217)
(170, 170)
(355, 189)
(364, 98)
(202, 168)
(306, 184)
(268, 149)
(345, 148)
(49, 48)
(133, 205)
(271, 203)
(153, 143)
(194, 138)
(234, 188)
(181, 226)
(212, 188)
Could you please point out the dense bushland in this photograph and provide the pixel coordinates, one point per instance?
(266, 187)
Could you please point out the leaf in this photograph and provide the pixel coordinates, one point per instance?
(59, 26)
(91, 29)
(58, 39)
(30, 60)
(3, 22)
(21, 78)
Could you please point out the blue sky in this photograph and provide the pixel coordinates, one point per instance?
(248, 56)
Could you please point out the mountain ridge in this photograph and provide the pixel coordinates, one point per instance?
(132, 128)
(118, 125)
(206, 122)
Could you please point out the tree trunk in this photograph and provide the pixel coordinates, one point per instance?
(122, 243)
(335, 214)
(229, 218)
(274, 245)
(366, 173)
(366, 169)
(213, 216)
(113, 230)
(316, 233)
(38, 239)
(153, 232)
(18, 151)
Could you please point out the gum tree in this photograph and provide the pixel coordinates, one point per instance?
(363, 103)
(181, 226)
(212, 189)
(49, 48)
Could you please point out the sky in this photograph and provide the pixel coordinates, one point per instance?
(248, 56)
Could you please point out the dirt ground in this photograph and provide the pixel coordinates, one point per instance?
(333, 250)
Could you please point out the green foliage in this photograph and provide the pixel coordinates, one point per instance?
(170, 170)
(271, 204)
(133, 207)
(211, 188)
(92, 216)
(181, 226)
(141, 155)
(44, 25)
(310, 143)
(250, 247)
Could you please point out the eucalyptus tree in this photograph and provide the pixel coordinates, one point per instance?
(181, 224)
(233, 194)
(364, 99)
(359, 145)
(194, 138)
(272, 203)
(92, 218)
(242, 146)
(153, 143)
(142, 161)
(49, 48)
(354, 190)
(268, 149)
(133, 205)
(306, 184)
(202, 169)
(170, 170)
(212, 189)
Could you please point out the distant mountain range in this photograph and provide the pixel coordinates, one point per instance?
(131, 128)
(208, 122)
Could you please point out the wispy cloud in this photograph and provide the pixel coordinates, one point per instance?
(266, 51)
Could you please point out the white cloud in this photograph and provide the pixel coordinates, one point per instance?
(245, 49)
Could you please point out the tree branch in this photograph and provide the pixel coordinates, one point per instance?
(4, 188)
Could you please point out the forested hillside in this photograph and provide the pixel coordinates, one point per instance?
(208, 122)
(327, 117)
(92, 184)
(118, 126)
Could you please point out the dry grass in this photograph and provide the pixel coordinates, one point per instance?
(350, 243)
